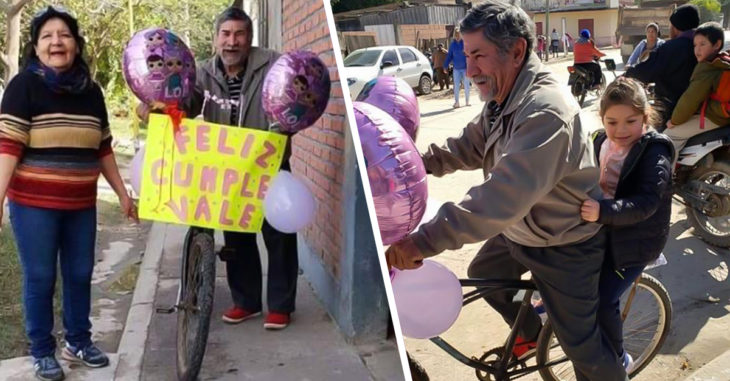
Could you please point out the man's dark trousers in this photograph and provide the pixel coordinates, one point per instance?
(567, 278)
(244, 269)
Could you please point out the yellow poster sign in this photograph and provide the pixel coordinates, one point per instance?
(208, 175)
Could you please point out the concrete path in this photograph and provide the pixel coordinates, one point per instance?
(311, 348)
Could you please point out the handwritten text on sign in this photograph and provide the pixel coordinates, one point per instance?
(208, 175)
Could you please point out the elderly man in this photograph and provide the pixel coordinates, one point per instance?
(671, 65)
(538, 168)
(228, 91)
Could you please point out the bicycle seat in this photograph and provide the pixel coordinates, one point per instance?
(716, 134)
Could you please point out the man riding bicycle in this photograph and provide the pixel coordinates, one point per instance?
(538, 168)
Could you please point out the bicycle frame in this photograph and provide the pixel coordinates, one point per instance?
(483, 288)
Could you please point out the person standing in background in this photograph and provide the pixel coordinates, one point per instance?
(457, 57)
(440, 72)
(554, 42)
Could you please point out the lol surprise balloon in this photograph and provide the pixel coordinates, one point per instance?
(158, 67)
(296, 90)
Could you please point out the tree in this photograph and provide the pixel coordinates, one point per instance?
(709, 9)
(105, 27)
(725, 6)
(9, 56)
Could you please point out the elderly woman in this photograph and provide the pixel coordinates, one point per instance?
(646, 46)
(54, 143)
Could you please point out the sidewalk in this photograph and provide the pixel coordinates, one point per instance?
(715, 370)
(311, 348)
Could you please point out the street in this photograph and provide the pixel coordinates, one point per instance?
(696, 275)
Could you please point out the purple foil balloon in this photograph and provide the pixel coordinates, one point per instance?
(158, 66)
(296, 90)
(394, 96)
(395, 171)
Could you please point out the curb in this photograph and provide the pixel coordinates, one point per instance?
(715, 370)
(132, 343)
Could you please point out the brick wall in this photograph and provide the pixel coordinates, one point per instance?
(425, 32)
(318, 152)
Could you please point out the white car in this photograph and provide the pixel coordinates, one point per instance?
(404, 62)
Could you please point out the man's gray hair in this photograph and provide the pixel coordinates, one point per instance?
(237, 14)
(503, 25)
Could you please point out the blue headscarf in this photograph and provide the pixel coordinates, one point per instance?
(75, 80)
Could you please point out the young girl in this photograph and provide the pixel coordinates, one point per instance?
(711, 64)
(636, 175)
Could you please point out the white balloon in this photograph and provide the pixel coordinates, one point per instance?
(289, 205)
(428, 299)
(135, 171)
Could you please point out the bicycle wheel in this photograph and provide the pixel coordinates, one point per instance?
(196, 305)
(646, 327)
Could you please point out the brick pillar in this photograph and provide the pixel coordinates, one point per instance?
(337, 252)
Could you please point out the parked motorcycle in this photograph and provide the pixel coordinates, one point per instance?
(702, 182)
(581, 80)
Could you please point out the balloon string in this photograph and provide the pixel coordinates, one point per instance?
(172, 159)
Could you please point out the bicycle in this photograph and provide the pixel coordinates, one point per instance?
(194, 303)
(646, 292)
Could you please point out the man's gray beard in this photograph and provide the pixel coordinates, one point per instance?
(485, 98)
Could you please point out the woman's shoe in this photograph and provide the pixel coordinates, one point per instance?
(48, 369)
(90, 356)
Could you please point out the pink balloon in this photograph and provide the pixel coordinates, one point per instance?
(428, 299)
(158, 66)
(394, 96)
(395, 171)
(135, 171)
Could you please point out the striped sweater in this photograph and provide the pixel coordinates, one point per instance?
(59, 140)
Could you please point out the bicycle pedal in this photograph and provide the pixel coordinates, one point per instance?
(163, 310)
(227, 254)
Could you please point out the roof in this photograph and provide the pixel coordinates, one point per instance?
(392, 7)
(573, 9)
(384, 47)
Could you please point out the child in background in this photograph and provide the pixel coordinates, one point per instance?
(710, 79)
(636, 179)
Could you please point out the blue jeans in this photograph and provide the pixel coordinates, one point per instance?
(611, 287)
(45, 236)
(459, 77)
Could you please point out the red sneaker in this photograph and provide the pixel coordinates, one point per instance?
(523, 348)
(235, 315)
(275, 320)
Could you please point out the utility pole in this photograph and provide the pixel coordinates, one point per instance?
(132, 99)
(547, 30)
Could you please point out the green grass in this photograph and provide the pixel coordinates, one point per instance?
(127, 281)
(12, 333)
(108, 212)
